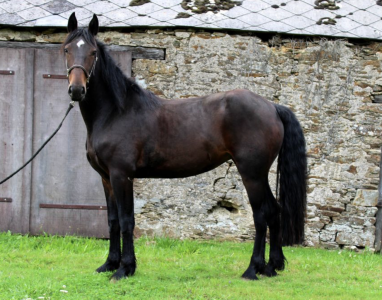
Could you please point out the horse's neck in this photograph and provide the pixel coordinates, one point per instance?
(97, 106)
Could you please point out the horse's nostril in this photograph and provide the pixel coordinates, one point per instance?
(83, 91)
(70, 90)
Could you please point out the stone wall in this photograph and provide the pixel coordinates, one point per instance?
(331, 85)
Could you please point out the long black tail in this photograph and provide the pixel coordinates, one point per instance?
(291, 178)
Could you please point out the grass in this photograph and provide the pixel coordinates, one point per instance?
(51, 267)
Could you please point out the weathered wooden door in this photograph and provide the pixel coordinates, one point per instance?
(62, 193)
(16, 98)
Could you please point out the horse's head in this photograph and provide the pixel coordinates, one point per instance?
(80, 50)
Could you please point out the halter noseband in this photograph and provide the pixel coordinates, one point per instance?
(87, 74)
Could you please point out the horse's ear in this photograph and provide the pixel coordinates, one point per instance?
(72, 23)
(93, 25)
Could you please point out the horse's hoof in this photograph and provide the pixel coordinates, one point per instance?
(250, 274)
(269, 271)
(108, 267)
(122, 272)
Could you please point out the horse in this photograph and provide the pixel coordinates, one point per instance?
(132, 133)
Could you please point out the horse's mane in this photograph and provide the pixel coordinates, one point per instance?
(125, 91)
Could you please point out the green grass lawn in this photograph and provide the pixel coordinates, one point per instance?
(51, 267)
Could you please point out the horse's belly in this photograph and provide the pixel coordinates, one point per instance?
(181, 165)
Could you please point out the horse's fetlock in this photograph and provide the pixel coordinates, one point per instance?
(259, 264)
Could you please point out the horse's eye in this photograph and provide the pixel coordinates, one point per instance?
(66, 51)
(94, 53)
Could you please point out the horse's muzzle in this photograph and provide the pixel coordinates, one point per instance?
(77, 93)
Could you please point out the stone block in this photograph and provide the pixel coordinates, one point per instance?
(358, 238)
(366, 198)
(182, 34)
(327, 236)
(315, 224)
(329, 245)
(328, 213)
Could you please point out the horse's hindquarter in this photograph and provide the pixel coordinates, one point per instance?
(252, 127)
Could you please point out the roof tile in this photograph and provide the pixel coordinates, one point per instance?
(178, 8)
(37, 2)
(101, 7)
(121, 3)
(210, 17)
(276, 14)
(235, 12)
(81, 13)
(364, 17)
(146, 9)
(377, 25)
(167, 3)
(323, 30)
(299, 7)
(279, 27)
(362, 4)
(121, 14)
(14, 6)
(316, 14)
(345, 9)
(81, 3)
(51, 21)
(116, 24)
(56, 7)
(191, 21)
(230, 23)
(255, 19)
(141, 21)
(298, 22)
(105, 21)
(255, 6)
(11, 19)
(346, 25)
(365, 30)
(33, 13)
(164, 15)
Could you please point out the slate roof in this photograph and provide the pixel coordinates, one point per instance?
(336, 18)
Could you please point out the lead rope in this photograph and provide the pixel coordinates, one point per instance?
(71, 105)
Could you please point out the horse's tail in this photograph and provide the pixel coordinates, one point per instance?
(291, 178)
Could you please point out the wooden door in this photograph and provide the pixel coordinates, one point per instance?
(67, 194)
(16, 98)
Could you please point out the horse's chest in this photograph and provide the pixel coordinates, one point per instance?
(93, 158)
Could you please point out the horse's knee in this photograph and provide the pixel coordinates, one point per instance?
(114, 226)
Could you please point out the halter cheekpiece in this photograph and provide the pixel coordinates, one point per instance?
(87, 74)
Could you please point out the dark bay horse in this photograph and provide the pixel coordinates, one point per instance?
(131, 133)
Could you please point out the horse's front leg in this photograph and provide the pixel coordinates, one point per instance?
(114, 258)
(123, 192)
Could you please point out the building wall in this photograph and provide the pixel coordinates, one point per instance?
(329, 84)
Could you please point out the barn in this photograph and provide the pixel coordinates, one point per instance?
(320, 58)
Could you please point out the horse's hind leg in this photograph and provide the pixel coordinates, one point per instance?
(276, 257)
(256, 190)
(114, 257)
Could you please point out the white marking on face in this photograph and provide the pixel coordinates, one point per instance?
(80, 43)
